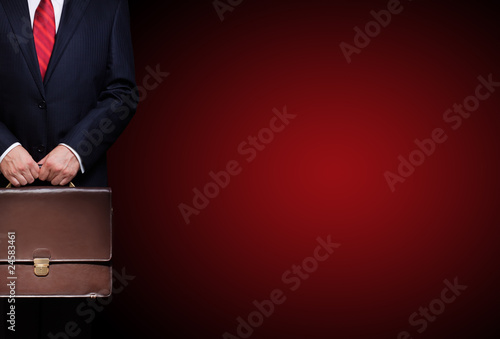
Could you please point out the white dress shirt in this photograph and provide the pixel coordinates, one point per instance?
(58, 8)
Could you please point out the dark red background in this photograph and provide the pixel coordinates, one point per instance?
(323, 175)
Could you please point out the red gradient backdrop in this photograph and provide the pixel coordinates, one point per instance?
(321, 176)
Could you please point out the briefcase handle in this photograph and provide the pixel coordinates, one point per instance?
(71, 185)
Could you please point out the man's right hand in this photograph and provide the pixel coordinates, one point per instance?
(19, 167)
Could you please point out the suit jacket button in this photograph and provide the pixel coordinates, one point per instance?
(42, 105)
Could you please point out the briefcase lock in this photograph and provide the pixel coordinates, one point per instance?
(41, 267)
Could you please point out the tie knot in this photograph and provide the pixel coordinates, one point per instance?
(45, 4)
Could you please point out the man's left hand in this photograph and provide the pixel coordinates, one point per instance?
(59, 167)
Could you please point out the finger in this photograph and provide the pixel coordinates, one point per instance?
(27, 173)
(34, 170)
(57, 181)
(21, 180)
(53, 170)
(28, 176)
(65, 181)
(53, 174)
(13, 181)
(44, 173)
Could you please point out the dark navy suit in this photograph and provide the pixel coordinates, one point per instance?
(87, 97)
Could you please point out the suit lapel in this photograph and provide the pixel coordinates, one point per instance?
(18, 13)
(70, 18)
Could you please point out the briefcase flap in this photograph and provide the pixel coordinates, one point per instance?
(63, 224)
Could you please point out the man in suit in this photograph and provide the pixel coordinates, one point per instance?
(66, 88)
(67, 91)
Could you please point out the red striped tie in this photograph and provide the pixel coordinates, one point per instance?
(44, 32)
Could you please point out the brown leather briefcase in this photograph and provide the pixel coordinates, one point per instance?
(55, 242)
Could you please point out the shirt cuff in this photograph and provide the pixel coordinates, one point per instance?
(82, 169)
(8, 150)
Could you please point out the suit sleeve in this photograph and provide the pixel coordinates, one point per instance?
(7, 139)
(117, 103)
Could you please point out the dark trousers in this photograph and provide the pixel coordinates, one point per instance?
(53, 318)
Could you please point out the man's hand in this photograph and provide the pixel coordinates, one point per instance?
(19, 167)
(59, 167)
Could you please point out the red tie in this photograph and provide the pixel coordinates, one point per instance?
(44, 32)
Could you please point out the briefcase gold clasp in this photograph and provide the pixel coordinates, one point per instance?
(41, 267)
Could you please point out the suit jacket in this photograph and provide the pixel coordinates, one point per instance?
(88, 95)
